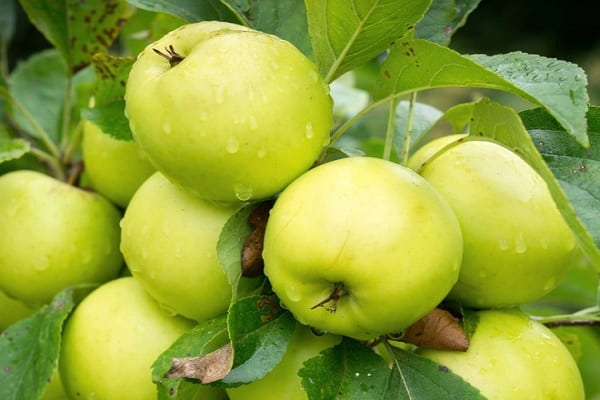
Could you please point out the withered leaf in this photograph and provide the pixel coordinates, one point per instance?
(440, 330)
(208, 368)
(252, 261)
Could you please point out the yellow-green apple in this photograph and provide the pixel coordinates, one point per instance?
(283, 382)
(115, 168)
(230, 113)
(361, 247)
(12, 310)
(517, 246)
(513, 357)
(169, 241)
(111, 341)
(54, 235)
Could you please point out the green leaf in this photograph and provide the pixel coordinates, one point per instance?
(557, 86)
(29, 350)
(40, 85)
(284, 18)
(110, 119)
(422, 379)
(188, 10)
(347, 33)
(349, 370)
(260, 331)
(11, 149)
(504, 125)
(576, 168)
(78, 29)
(202, 339)
(8, 19)
(424, 117)
(443, 19)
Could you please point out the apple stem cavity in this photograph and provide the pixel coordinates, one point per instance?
(338, 292)
(171, 55)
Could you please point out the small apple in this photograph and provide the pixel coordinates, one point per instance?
(115, 168)
(283, 382)
(361, 247)
(517, 246)
(230, 113)
(513, 357)
(111, 341)
(54, 235)
(12, 310)
(169, 241)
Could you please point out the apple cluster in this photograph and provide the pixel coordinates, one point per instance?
(224, 117)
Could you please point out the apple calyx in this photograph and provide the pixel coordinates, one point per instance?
(171, 55)
(336, 294)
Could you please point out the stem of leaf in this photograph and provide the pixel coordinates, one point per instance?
(66, 122)
(51, 162)
(389, 134)
(409, 128)
(585, 317)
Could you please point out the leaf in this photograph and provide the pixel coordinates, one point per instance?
(347, 33)
(557, 86)
(577, 169)
(443, 19)
(8, 19)
(503, 124)
(188, 10)
(29, 350)
(78, 29)
(284, 18)
(11, 149)
(202, 339)
(424, 117)
(252, 261)
(39, 84)
(349, 370)
(208, 368)
(437, 330)
(419, 378)
(260, 331)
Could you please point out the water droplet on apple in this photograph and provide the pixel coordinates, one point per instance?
(219, 94)
(233, 146)
(243, 191)
(263, 97)
(520, 245)
(262, 153)
(250, 94)
(203, 116)
(550, 284)
(308, 130)
(167, 128)
(252, 123)
(313, 76)
(41, 264)
(503, 244)
(166, 228)
(275, 65)
(170, 311)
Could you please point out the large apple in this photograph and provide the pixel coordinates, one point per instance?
(228, 112)
(53, 235)
(512, 357)
(283, 382)
(361, 247)
(111, 341)
(517, 244)
(115, 168)
(169, 241)
(12, 310)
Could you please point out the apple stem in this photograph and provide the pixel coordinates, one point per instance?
(337, 293)
(171, 55)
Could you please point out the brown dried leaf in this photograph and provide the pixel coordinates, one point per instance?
(252, 261)
(208, 368)
(440, 330)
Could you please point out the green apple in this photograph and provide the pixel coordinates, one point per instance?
(230, 113)
(512, 357)
(115, 168)
(111, 341)
(283, 382)
(361, 247)
(517, 244)
(54, 235)
(12, 310)
(55, 389)
(169, 241)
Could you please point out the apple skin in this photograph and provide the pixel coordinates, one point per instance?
(283, 382)
(513, 357)
(169, 241)
(12, 310)
(238, 119)
(54, 235)
(111, 341)
(375, 228)
(517, 244)
(116, 168)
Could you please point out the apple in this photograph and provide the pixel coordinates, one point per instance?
(169, 241)
(54, 235)
(513, 357)
(12, 310)
(361, 247)
(230, 113)
(55, 389)
(283, 382)
(517, 246)
(111, 341)
(115, 168)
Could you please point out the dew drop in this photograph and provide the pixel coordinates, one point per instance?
(219, 94)
(170, 311)
(203, 116)
(250, 94)
(262, 153)
(503, 245)
(233, 146)
(550, 285)
(41, 264)
(167, 128)
(308, 130)
(243, 191)
(520, 245)
(263, 97)
(252, 123)
(313, 76)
